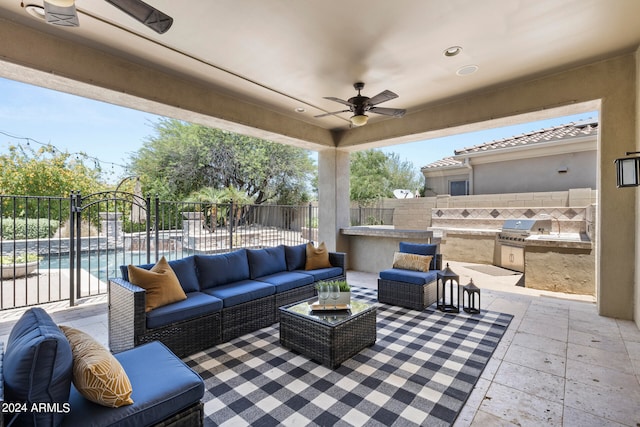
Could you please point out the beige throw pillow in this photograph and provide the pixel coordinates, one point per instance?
(317, 257)
(160, 283)
(97, 375)
(411, 261)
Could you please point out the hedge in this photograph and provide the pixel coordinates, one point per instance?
(30, 228)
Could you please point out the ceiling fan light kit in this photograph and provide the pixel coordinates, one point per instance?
(359, 105)
(359, 120)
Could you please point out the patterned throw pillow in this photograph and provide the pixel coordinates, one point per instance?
(160, 283)
(317, 257)
(411, 261)
(97, 375)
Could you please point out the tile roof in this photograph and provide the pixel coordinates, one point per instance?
(557, 133)
(562, 132)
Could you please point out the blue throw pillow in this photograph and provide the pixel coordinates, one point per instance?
(296, 256)
(221, 269)
(263, 262)
(37, 367)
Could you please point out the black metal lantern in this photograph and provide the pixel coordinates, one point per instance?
(469, 293)
(446, 281)
(628, 170)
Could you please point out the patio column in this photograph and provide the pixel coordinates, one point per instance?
(333, 198)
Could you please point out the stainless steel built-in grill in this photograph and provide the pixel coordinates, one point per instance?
(511, 240)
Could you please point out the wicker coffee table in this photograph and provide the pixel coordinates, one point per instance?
(329, 337)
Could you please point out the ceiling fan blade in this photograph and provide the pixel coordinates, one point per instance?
(395, 112)
(65, 16)
(331, 114)
(386, 95)
(331, 98)
(148, 15)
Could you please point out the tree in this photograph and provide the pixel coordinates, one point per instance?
(182, 158)
(374, 175)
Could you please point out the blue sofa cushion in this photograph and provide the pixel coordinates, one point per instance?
(240, 292)
(197, 304)
(263, 262)
(37, 366)
(409, 276)
(287, 280)
(322, 273)
(296, 256)
(222, 269)
(184, 268)
(162, 386)
(420, 249)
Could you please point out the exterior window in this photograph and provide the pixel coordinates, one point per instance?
(459, 188)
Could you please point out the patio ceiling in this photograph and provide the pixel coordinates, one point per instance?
(273, 57)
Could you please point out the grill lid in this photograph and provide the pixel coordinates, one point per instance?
(526, 225)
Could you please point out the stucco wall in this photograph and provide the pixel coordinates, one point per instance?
(560, 270)
(536, 174)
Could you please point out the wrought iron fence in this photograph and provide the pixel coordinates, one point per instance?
(76, 244)
(371, 216)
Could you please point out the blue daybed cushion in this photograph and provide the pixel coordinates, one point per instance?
(296, 256)
(409, 276)
(37, 366)
(263, 262)
(420, 249)
(221, 269)
(197, 304)
(287, 280)
(184, 268)
(240, 292)
(162, 385)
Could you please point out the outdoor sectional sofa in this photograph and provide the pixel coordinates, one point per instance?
(410, 288)
(228, 295)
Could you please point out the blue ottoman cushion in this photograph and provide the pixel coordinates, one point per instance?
(37, 366)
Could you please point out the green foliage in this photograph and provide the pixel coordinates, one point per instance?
(344, 286)
(43, 172)
(374, 175)
(182, 158)
(28, 228)
(19, 259)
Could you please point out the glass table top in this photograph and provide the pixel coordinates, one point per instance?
(328, 316)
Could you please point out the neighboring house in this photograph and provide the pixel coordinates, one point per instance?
(552, 159)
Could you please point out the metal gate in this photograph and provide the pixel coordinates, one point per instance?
(108, 229)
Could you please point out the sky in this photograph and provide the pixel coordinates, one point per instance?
(111, 134)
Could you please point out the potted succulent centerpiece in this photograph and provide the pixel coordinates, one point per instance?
(327, 297)
(18, 265)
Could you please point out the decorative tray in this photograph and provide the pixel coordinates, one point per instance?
(330, 307)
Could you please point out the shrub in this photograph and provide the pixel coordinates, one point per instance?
(30, 228)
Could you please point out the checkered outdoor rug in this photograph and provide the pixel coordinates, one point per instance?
(420, 371)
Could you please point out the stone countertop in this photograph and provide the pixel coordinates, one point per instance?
(388, 232)
(563, 240)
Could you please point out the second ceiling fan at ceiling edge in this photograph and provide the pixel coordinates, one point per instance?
(63, 12)
(359, 105)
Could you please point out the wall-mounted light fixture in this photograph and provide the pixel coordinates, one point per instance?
(628, 170)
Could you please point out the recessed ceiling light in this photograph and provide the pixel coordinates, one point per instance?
(452, 51)
(35, 11)
(300, 110)
(466, 70)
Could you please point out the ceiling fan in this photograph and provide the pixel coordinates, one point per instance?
(359, 105)
(63, 12)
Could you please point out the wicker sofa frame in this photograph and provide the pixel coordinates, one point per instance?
(128, 323)
(409, 295)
